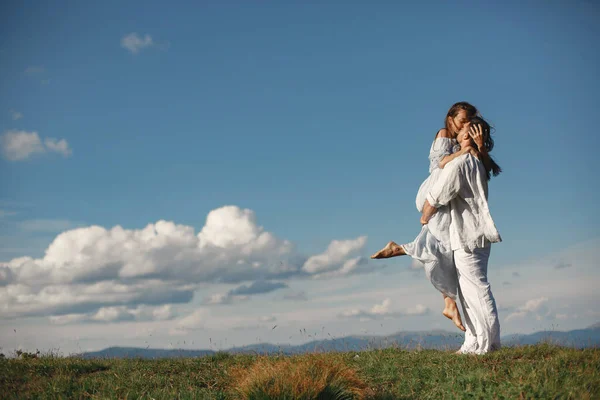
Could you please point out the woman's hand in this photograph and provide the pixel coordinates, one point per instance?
(477, 134)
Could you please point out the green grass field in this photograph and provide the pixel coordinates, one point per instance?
(541, 371)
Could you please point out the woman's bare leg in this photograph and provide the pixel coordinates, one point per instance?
(451, 312)
(390, 250)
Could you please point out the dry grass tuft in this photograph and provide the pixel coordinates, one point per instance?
(312, 376)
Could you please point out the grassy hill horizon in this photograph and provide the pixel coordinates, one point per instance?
(530, 371)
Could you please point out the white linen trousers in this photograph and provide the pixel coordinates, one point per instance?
(478, 303)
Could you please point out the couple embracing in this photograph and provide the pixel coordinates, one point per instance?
(457, 228)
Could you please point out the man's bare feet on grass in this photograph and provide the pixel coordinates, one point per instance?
(390, 250)
(451, 312)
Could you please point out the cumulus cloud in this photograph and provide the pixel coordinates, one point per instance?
(134, 42)
(58, 146)
(20, 145)
(334, 261)
(383, 310)
(117, 314)
(191, 322)
(6, 276)
(90, 268)
(535, 308)
(15, 115)
(220, 298)
(68, 318)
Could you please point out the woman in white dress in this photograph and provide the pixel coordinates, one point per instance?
(426, 248)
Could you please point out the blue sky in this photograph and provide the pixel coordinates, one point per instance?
(318, 119)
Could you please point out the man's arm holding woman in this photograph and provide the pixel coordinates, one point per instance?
(444, 190)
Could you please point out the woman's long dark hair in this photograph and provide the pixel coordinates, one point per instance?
(470, 109)
(488, 143)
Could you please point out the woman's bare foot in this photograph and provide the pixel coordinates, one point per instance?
(451, 312)
(390, 250)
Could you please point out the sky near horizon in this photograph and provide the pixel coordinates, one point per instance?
(207, 172)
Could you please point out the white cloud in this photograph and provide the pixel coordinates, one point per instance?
(68, 318)
(572, 291)
(90, 268)
(534, 304)
(384, 310)
(112, 314)
(532, 308)
(117, 314)
(191, 322)
(20, 145)
(381, 309)
(419, 309)
(335, 258)
(162, 313)
(218, 298)
(134, 42)
(15, 115)
(58, 146)
(224, 298)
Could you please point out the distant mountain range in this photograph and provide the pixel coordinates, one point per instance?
(580, 338)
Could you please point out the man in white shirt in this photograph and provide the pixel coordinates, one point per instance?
(462, 187)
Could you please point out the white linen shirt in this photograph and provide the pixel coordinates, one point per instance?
(461, 190)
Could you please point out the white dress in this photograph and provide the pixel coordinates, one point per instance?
(440, 148)
(436, 258)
